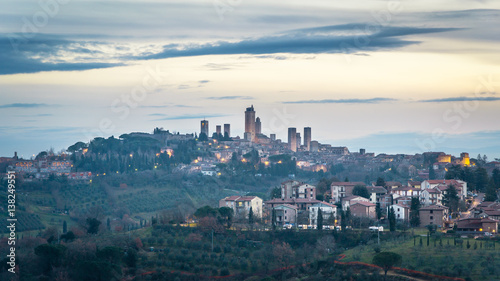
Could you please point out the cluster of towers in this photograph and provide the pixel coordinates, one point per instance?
(294, 139)
(253, 128)
(218, 129)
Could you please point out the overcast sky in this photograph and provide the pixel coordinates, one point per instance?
(388, 76)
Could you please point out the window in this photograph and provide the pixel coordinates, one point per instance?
(432, 211)
(431, 217)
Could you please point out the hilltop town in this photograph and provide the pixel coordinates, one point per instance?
(214, 182)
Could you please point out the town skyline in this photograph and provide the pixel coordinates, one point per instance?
(391, 77)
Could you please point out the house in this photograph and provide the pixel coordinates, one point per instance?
(376, 193)
(296, 189)
(329, 211)
(402, 200)
(406, 191)
(431, 196)
(415, 184)
(301, 203)
(343, 189)
(477, 225)
(363, 209)
(433, 215)
(287, 188)
(429, 184)
(392, 184)
(402, 212)
(286, 214)
(241, 205)
(444, 189)
(487, 210)
(349, 200)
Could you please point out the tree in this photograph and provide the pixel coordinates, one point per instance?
(203, 137)
(51, 255)
(205, 211)
(378, 210)
(392, 220)
(276, 193)
(415, 212)
(432, 173)
(250, 216)
(273, 219)
(491, 191)
(228, 214)
(380, 182)
(283, 253)
(319, 224)
(481, 176)
(65, 227)
(451, 199)
(93, 225)
(361, 190)
(496, 177)
(387, 260)
(348, 215)
(343, 222)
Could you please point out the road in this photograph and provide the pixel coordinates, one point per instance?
(476, 202)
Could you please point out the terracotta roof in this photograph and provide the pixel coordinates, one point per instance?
(474, 222)
(349, 198)
(239, 198)
(376, 189)
(434, 207)
(363, 203)
(393, 183)
(343, 183)
(287, 206)
(327, 204)
(292, 201)
(402, 206)
(433, 190)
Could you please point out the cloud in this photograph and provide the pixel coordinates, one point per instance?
(191, 116)
(373, 100)
(26, 105)
(456, 99)
(231, 98)
(167, 106)
(45, 53)
(347, 38)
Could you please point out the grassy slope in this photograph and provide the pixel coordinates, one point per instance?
(442, 260)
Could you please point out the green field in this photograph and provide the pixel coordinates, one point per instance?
(479, 261)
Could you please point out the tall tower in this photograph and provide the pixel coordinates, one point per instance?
(258, 126)
(227, 129)
(218, 129)
(307, 138)
(298, 140)
(250, 123)
(204, 127)
(292, 139)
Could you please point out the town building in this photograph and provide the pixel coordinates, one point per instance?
(342, 189)
(433, 215)
(363, 209)
(292, 139)
(286, 214)
(307, 138)
(241, 205)
(328, 211)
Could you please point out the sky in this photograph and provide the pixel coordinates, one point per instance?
(387, 76)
